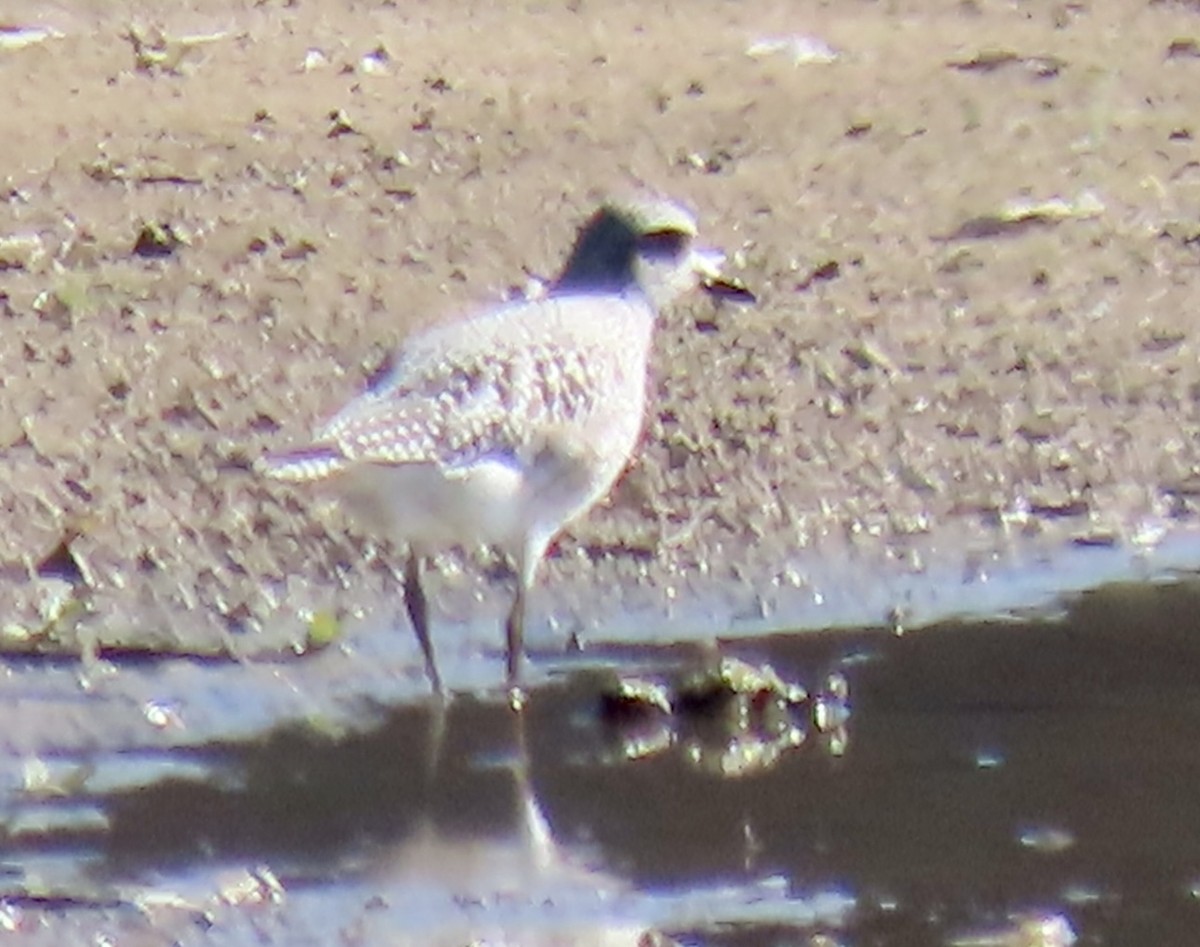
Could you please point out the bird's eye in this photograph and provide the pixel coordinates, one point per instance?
(663, 244)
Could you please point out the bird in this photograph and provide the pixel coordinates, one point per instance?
(502, 428)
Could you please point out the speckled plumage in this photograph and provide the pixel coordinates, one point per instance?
(504, 427)
(492, 385)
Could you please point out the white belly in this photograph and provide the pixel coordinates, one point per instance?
(421, 504)
(498, 502)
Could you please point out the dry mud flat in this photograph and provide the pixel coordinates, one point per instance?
(974, 235)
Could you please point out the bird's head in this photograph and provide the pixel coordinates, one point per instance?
(647, 243)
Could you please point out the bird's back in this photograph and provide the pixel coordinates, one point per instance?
(495, 384)
(611, 326)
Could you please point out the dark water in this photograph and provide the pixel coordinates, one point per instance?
(1000, 783)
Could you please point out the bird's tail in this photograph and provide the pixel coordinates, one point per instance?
(302, 465)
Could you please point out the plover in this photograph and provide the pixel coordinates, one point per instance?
(503, 428)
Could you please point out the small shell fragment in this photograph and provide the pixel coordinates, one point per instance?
(803, 50)
(19, 37)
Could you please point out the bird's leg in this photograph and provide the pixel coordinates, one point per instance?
(527, 563)
(418, 613)
(514, 630)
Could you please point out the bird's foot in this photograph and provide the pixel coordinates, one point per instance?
(517, 697)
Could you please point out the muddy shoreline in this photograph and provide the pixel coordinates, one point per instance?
(976, 286)
(969, 389)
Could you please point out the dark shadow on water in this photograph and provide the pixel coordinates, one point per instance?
(316, 801)
(994, 775)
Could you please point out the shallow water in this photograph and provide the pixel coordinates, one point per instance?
(992, 776)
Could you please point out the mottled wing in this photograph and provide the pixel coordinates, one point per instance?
(473, 404)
